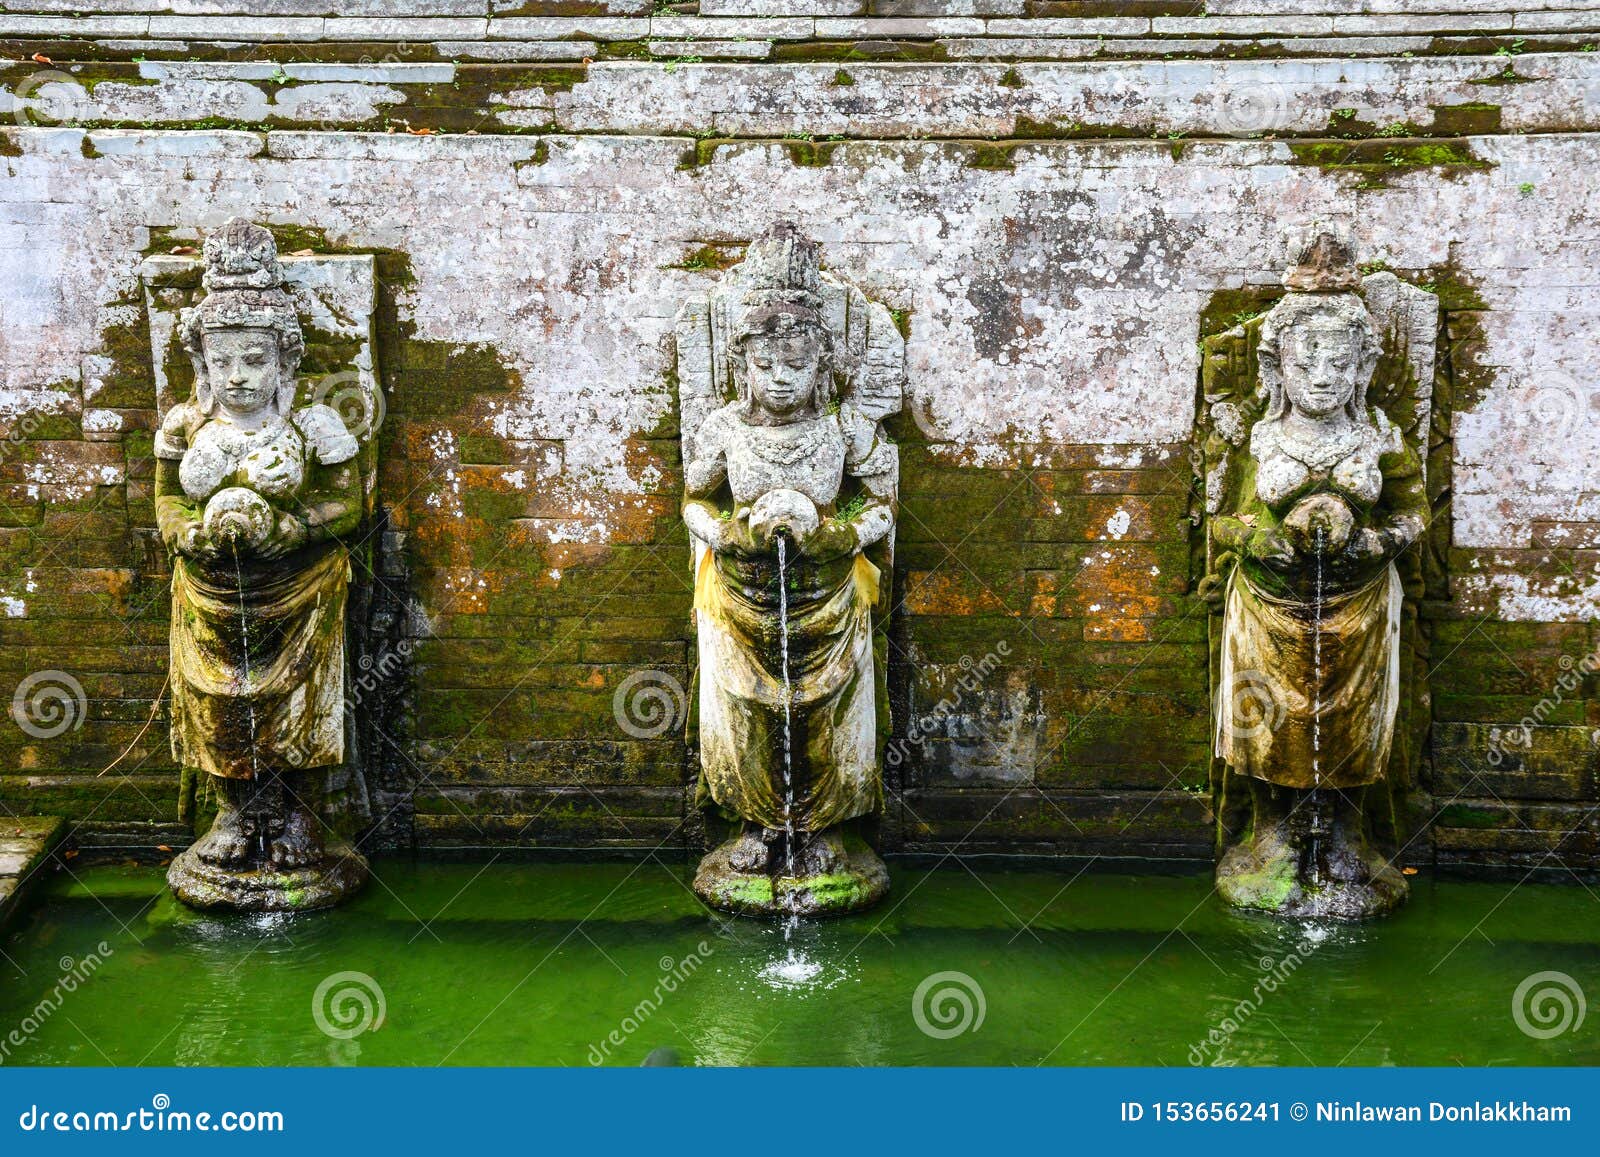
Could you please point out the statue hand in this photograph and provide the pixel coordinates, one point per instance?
(735, 536)
(1367, 546)
(192, 542)
(288, 534)
(830, 540)
(1270, 547)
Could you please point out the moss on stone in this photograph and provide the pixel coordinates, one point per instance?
(1378, 160)
(1230, 307)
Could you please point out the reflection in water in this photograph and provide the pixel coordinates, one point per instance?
(537, 964)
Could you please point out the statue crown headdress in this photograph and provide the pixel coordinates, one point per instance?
(781, 274)
(242, 255)
(1322, 259)
(244, 290)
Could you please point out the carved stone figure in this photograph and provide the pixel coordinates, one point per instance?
(1312, 495)
(252, 496)
(790, 493)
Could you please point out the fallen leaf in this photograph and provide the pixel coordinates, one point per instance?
(1409, 871)
(162, 848)
(420, 132)
(70, 854)
(41, 58)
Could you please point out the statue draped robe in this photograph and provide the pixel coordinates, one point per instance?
(1334, 701)
(836, 676)
(833, 717)
(258, 679)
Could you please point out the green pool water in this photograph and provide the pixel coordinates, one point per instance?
(519, 964)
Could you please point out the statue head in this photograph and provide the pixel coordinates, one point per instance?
(783, 351)
(244, 337)
(1319, 346)
(783, 365)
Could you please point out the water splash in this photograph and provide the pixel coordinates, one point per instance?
(792, 971)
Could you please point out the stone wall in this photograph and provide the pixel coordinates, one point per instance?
(1056, 199)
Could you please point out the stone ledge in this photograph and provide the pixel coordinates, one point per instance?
(248, 28)
(25, 842)
(735, 98)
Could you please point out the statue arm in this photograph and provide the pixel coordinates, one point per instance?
(1402, 510)
(329, 504)
(704, 521)
(333, 509)
(881, 490)
(874, 462)
(703, 476)
(1230, 533)
(177, 518)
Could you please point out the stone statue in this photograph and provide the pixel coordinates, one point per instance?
(790, 497)
(1316, 493)
(252, 496)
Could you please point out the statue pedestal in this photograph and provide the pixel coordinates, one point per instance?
(341, 873)
(861, 883)
(1277, 885)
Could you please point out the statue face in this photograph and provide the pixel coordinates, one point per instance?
(782, 372)
(243, 368)
(1320, 360)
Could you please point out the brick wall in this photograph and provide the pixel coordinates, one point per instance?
(1056, 208)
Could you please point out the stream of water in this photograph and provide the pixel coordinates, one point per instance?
(1319, 548)
(249, 697)
(795, 969)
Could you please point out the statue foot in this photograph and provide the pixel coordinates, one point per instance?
(749, 852)
(227, 844)
(821, 853)
(832, 876)
(1261, 871)
(1336, 876)
(298, 844)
